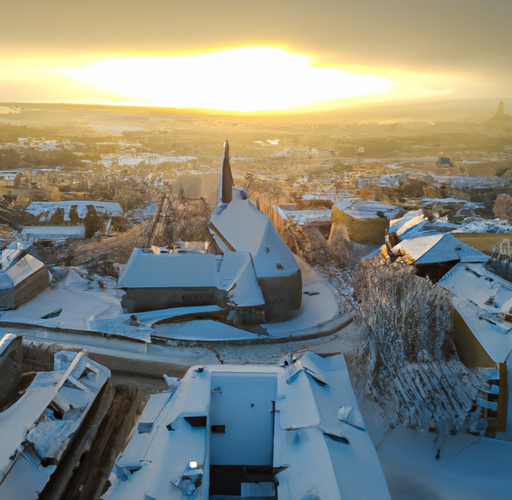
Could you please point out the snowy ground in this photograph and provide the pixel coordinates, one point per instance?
(93, 304)
(468, 467)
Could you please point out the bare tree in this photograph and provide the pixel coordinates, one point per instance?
(180, 218)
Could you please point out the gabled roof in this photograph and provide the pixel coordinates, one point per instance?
(240, 226)
(313, 412)
(437, 248)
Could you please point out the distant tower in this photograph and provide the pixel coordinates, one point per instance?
(500, 116)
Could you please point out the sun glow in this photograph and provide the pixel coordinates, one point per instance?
(245, 79)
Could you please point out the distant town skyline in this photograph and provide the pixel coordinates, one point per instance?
(328, 51)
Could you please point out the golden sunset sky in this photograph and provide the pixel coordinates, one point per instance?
(245, 55)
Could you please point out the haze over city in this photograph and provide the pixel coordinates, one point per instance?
(255, 56)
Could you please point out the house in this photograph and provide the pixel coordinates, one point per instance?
(410, 222)
(454, 209)
(288, 431)
(318, 217)
(365, 222)
(483, 305)
(46, 209)
(55, 234)
(237, 225)
(444, 162)
(251, 258)
(160, 278)
(435, 254)
(414, 224)
(11, 358)
(8, 178)
(482, 324)
(484, 234)
(22, 277)
(38, 425)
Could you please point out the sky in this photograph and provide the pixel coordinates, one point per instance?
(249, 55)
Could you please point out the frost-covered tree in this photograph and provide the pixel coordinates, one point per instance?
(414, 373)
(409, 317)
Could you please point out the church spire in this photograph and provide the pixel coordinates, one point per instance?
(226, 178)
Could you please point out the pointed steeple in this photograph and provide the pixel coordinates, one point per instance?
(226, 178)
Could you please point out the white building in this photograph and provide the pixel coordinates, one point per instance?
(290, 432)
(22, 277)
(46, 209)
(37, 429)
(56, 234)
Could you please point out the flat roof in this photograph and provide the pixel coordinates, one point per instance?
(105, 207)
(145, 269)
(360, 209)
(206, 419)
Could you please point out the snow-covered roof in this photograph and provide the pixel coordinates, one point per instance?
(232, 272)
(409, 220)
(54, 233)
(237, 276)
(426, 201)
(360, 209)
(484, 300)
(38, 428)
(240, 226)
(303, 217)
(486, 226)
(441, 247)
(274, 417)
(17, 267)
(147, 269)
(102, 207)
(474, 283)
(426, 228)
(6, 341)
